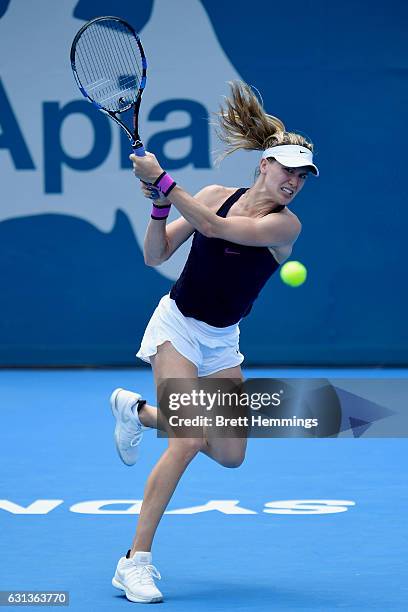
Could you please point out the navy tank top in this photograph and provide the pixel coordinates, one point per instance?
(221, 280)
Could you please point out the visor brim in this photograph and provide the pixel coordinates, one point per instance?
(296, 162)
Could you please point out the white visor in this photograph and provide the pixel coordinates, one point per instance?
(292, 156)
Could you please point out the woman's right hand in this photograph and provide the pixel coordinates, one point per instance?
(151, 193)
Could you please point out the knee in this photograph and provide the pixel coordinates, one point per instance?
(233, 460)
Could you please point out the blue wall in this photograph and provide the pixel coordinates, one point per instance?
(74, 286)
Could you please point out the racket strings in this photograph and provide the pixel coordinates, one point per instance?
(109, 64)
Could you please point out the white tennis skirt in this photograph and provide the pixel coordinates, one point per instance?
(210, 348)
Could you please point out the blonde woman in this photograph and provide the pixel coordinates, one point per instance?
(241, 237)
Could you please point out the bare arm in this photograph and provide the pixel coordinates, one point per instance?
(271, 230)
(162, 240)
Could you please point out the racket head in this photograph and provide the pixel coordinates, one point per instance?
(109, 64)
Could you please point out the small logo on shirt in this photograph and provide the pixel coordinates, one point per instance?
(231, 252)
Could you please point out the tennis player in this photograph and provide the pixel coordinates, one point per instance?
(241, 237)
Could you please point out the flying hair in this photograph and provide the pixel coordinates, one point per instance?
(244, 124)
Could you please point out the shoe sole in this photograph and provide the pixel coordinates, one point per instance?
(131, 597)
(115, 413)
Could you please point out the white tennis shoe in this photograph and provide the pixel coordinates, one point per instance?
(129, 429)
(136, 576)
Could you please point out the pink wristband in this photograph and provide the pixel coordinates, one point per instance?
(165, 183)
(160, 212)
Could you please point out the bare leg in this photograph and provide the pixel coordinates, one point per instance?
(229, 452)
(151, 417)
(160, 486)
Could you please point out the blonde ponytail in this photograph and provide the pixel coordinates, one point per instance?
(243, 124)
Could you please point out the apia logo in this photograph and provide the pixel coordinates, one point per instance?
(56, 156)
(60, 156)
(224, 506)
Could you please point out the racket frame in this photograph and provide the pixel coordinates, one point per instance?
(134, 137)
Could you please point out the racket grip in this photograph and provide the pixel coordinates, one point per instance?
(139, 151)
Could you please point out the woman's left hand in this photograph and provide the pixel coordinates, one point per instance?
(147, 168)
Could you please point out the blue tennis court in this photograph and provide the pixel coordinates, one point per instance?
(57, 447)
(289, 253)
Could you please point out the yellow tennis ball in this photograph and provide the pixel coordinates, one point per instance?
(293, 273)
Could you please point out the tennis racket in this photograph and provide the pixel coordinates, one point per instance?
(110, 69)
